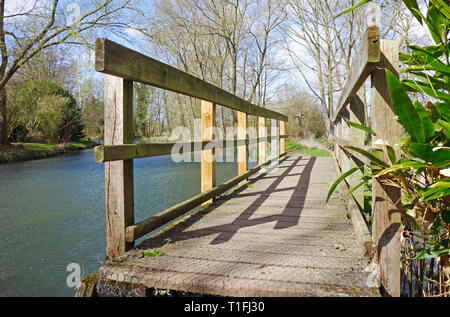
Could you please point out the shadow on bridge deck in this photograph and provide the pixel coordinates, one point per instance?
(274, 236)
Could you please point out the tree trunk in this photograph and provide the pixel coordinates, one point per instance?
(3, 119)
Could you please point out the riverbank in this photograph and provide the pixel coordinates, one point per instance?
(16, 152)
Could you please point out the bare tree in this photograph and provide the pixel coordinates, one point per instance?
(321, 48)
(230, 43)
(40, 25)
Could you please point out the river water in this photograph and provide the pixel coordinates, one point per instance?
(52, 213)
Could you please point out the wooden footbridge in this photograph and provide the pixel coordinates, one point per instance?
(266, 232)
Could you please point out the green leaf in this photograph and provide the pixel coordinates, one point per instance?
(361, 127)
(435, 193)
(426, 153)
(425, 88)
(429, 59)
(426, 120)
(375, 160)
(430, 81)
(402, 166)
(443, 165)
(340, 179)
(404, 108)
(445, 126)
(438, 189)
(442, 183)
(437, 226)
(444, 109)
(437, 23)
(391, 154)
(353, 8)
(434, 32)
(406, 200)
(410, 4)
(353, 189)
(442, 7)
(435, 251)
(154, 252)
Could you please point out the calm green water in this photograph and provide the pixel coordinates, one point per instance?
(52, 213)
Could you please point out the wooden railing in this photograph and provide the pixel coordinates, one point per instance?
(373, 58)
(122, 67)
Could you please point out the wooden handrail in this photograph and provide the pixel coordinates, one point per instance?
(108, 153)
(114, 59)
(363, 64)
(373, 58)
(122, 67)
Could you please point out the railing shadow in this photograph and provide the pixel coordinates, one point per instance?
(227, 231)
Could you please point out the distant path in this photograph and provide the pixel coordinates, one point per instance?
(18, 152)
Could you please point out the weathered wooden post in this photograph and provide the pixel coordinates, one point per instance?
(345, 135)
(357, 136)
(242, 154)
(262, 140)
(274, 133)
(386, 199)
(118, 174)
(337, 134)
(208, 161)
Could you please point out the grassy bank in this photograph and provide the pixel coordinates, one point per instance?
(294, 147)
(31, 151)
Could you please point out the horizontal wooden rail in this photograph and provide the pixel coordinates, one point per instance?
(107, 153)
(114, 59)
(351, 154)
(141, 228)
(363, 64)
(342, 142)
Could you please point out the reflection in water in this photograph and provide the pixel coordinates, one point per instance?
(52, 214)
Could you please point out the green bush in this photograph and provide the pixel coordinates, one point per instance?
(36, 104)
(51, 112)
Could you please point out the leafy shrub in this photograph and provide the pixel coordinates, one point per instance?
(27, 104)
(423, 169)
(51, 111)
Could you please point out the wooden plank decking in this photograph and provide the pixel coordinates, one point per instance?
(276, 237)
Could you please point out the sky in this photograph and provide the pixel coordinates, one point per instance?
(132, 38)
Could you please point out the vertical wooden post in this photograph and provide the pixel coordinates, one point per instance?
(357, 136)
(208, 165)
(386, 199)
(345, 134)
(274, 133)
(118, 174)
(345, 161)
(262, 135)
(337, 133)
(282, 140)
(242, 149)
